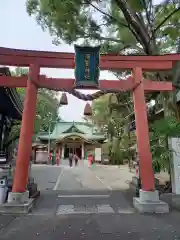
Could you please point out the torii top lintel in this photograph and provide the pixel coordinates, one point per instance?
(17, 57)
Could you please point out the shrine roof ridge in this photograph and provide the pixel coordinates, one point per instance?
(75, 122)
(12, 94)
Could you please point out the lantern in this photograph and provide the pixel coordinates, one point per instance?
(63, 100)
(88, 110)
(87, 67)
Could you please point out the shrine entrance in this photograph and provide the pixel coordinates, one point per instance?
(87, 62)
(74, 149)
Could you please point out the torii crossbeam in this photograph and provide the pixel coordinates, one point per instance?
(67, 84)
(136, 83)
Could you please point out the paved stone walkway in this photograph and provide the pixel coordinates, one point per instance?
(93, 226)
(93, 209)
(45, 175)
(87, 204)
(81, 190)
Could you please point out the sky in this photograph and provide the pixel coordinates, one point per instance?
(20, 31)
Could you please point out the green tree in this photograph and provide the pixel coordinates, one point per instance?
(123, 27)
(109, 112)
(134, 24)
(126, 27)
(160, 131)
(46, 108)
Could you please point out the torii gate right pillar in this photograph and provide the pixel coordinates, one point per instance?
(149, 197)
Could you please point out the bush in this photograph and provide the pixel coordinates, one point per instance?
(156, 166)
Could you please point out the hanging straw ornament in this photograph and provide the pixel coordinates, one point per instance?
(88, 110)
(63, 99)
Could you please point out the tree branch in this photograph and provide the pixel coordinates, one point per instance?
(115, 20)
(104, 13)
(148, 13)
(103, 38)
(141, 35)
(116, 52)
(166, 18)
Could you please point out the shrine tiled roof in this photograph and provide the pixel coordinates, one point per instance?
(82, 130)
(12, 104)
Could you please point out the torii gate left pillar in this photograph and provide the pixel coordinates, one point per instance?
(19, 192)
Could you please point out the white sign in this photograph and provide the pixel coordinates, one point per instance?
(97, 154)
(174, 145)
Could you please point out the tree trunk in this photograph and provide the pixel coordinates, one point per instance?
(169, 102)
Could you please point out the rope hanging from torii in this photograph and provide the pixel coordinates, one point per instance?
(87, 73)
(91, 97)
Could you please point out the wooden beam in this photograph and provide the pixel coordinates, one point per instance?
(63, 83)
(145, 65)
(154, 86)
(104, 57)
(12, 57)
(161, 58)
(25, 61)
(13, 82)
(142, 133)
(57, 84)
(121, 85)
(68, 84)
(16, 82)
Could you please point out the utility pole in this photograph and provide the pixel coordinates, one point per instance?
(49, 133)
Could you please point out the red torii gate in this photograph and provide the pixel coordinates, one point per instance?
(36, 59)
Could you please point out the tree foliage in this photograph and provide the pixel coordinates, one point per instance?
(161, 130)
(125, 27)
(121, 27)
(46, 108)
(109, 113)
(138, 25)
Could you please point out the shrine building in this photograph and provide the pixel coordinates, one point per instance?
(80, 138)
(11, 109)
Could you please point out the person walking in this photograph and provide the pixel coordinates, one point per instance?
(57, 158)
(76, 159)
(53, 157)
(90, 159)
(50, 157)
(70, 159)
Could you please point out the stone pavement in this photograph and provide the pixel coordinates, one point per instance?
(45, 175)
(86, 204)
(80, 190)
(93, 226)
(114, 177)
(162, 176)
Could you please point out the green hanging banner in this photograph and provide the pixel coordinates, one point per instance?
(87, 66)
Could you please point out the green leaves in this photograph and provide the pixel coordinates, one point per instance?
(166, 127)
(137, 5)
(123, 27)
(109, 114)
(160, 131)
(134, 25)
(63, 18)
(46, 108)
(170, 32)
